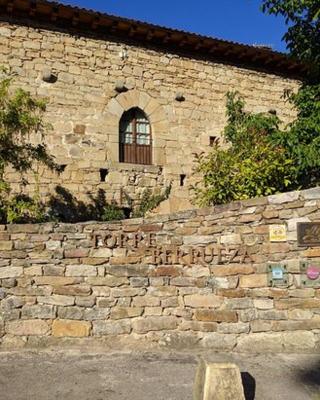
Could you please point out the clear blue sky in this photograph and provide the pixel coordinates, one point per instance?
(237, 20)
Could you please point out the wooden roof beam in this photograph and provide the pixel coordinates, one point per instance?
(244, 55)
(10, 6)
(150, 34)
(270, 61)
(132, 31)
(167, 38)
(199, 44)
(54, 13)
(282, 64)
(184, 41)
(293, 66)
(32, 9)
(257, 57)
(75, 19)
(113, 27)
(230, 52)
(95, 23)
(215, 49)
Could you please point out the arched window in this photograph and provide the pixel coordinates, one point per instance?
(135, 144)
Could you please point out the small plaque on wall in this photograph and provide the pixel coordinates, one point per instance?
(278, 275)
(277, 233)
(310, 274)
(308, 233)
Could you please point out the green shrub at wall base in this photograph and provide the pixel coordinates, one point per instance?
(112, 212)
(250, 165)
(21, 116)
(150, 201)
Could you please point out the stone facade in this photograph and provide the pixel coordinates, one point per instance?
(195, 278)
(84, 108)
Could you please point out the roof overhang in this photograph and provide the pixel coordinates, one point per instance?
(59, 16)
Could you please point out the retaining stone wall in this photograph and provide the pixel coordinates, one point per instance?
(191, 279)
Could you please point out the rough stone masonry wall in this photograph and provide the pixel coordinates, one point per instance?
(148, 284)
(84, 108)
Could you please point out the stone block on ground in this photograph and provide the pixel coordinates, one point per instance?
(218, 382)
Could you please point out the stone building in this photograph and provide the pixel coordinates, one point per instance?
(131, 102)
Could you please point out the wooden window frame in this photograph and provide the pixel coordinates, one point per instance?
(134, 153)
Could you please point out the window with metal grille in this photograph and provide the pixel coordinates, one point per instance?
(135, 141)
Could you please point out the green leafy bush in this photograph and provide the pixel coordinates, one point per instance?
(303, 33)
(301, 139)
(22, 209)
(149, 201)
(20, 117)
(252, 164)
(112, 212)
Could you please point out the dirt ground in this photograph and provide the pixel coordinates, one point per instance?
(98, 375)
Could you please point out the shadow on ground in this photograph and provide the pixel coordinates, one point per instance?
(249, 385)
(310, 377)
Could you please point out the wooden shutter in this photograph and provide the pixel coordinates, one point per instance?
(135, 140)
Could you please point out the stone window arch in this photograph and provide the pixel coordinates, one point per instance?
(135, 139)
(155, 113)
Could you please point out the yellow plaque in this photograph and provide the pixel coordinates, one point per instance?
(277, 233)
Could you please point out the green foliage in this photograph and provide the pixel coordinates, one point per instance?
(252, 165)
(112, 212)
(23, 209)
(20, 117)
(19, 208)
(303, 34)
(102, 210)
(301, 139)
(150, 201)
(4, 195)
(245, 130)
